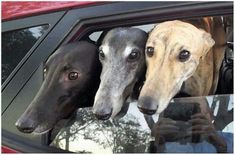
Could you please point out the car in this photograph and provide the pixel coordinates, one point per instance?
(32, 31)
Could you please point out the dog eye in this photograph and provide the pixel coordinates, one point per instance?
(133, 55)
(149, 51)
(184, 55)
(44, 72)
(73, 75)
(101, 55)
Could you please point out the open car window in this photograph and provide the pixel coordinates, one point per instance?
(131, 134)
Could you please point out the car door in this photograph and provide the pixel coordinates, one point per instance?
(22, 85)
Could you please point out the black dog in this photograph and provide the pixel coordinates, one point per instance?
(70, 82)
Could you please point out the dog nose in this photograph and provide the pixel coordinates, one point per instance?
(147, 105)
(103, 114)
(26, 126)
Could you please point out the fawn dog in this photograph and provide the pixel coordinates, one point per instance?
(181, 56)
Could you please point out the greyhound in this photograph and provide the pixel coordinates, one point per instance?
(181, 57)
(70, 81)
(122, 57)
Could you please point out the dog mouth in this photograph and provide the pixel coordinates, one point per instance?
(182, 94)
(42, 128)
(103, 117)
(26, 130)
(38, 129)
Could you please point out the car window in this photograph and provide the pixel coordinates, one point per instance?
(132, 133)
(16, 44)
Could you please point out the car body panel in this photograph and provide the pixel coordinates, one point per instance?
(6, 149)
(17, 9)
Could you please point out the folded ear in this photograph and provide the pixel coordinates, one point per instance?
(208, 42)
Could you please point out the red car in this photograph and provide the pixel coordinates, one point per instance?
(32, 31)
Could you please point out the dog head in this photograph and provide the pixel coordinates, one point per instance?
(66, 76)
(173, 51)
(122, 56)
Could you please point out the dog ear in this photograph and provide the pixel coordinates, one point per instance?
(208, 42)
(208, 39)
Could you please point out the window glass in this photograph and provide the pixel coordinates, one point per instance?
(131, 134)
(147, 28)
(15, 45)
(95, 35)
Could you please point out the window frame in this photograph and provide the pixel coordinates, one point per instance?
(141, 13)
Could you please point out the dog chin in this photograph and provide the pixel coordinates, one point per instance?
(114, 114)
(162, 107)
(41, 130)
(164, 103)
(123, 111)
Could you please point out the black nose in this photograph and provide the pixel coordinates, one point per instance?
(26, 126)
(103, 114)
(147, 105)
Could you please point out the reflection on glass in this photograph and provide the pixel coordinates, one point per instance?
(187, 125)
(15, 45)
(87, 134)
